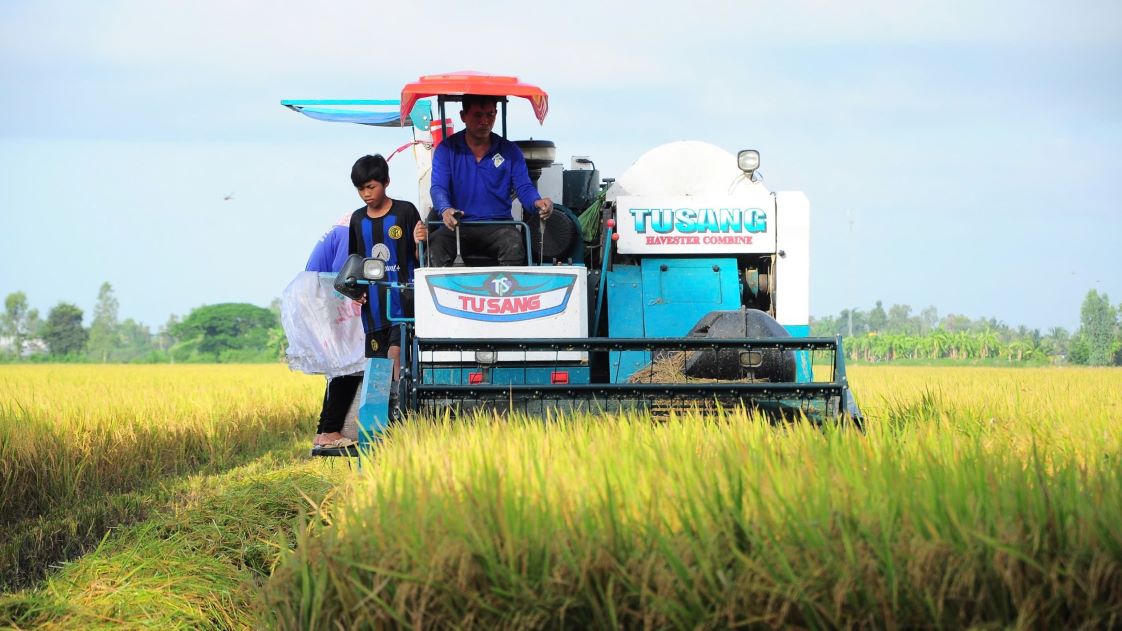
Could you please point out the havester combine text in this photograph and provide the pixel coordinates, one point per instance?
(682, 283)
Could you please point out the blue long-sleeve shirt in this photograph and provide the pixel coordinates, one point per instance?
(330, 252)
(480, 189)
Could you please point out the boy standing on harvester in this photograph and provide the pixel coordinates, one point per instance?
(385, 229)
(389, 230)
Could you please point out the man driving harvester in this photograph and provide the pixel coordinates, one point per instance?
(473, 174)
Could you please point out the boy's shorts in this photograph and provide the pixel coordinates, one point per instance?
(378, 342)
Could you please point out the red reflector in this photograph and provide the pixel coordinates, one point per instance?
(559, 377)
(475, 377)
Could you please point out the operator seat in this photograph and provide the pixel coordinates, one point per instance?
(562, 236)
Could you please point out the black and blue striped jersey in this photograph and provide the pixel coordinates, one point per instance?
(389, 238)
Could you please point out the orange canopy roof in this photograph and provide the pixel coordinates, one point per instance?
(469, 82)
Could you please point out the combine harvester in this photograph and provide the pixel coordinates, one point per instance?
(689, 288)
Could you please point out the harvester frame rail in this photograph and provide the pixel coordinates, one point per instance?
(628, 343)
(636, 390)
(702, 390)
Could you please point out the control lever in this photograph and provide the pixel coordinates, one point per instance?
(459, 262)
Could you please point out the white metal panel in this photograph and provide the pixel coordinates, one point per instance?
(505, 302)
(792, 268)
(551, 182)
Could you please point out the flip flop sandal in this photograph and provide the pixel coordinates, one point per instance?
(328, 450)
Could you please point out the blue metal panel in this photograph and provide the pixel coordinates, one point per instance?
(374, 402)
(538, 375)
(534, 375)
(451, 376)
(679, 292)
(804, 372)
(625, 319)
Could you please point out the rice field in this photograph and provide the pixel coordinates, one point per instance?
(79, 443)
(978, 497)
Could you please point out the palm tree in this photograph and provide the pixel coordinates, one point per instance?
(890, 344)
(940, 342)
(924, 346)
(855, 347)
(988, 342)
(910, 345)
(1019, 348)
(1057, 341)
(963, 345)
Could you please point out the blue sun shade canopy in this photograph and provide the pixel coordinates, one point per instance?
(379, 113)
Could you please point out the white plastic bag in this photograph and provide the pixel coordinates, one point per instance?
(324, 327)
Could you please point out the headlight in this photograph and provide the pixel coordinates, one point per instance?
(748, 160)
(373, 269)
(485, 357)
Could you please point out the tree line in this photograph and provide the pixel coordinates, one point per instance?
(228, 332)
(896, 334)
(240, 332)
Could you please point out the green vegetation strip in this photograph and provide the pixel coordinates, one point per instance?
(194, 565)
(932, 519)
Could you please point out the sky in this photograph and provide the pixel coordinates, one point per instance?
(956, 153)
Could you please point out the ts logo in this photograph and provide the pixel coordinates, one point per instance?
(500, 285)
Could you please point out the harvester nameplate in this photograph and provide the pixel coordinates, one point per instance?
(687, 225)
(501, 301)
